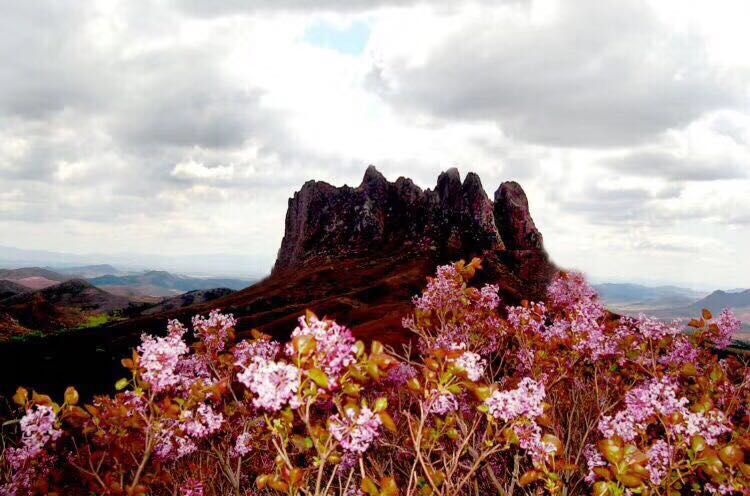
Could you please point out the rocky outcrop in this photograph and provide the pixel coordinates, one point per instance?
(455, 219)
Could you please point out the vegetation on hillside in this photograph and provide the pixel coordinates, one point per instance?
(557, 396)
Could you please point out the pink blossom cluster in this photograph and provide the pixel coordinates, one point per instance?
(161, 356)
(524, 401)
(472, 364)
(356, 431)
(570, 290)
(192, 487)
(728, 326)
(275, 384)
(245, 351)
(243, 444)
(401, 373)
(489, 299)
(530, 319)
(442, 403)
(681, 351)
(657, 397)
(31, 460)
(203, 422)
(38, 430)
(442, 292)
(594, 459)
(711, 425)
(214, 330)
(651, 328)
(659, 460)
(171, 445)
(530, 440)
(334, 350)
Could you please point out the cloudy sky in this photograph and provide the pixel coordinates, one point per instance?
(182, 127)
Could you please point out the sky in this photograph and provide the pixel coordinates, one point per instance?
(182, 127)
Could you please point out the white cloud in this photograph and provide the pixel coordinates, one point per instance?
(191, 169)
(181, 127)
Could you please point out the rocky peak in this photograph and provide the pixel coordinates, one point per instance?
(452, 221)
(513, 220)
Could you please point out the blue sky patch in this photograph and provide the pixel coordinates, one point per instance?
(350, 40)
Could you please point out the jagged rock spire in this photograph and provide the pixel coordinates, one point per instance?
(454, 220)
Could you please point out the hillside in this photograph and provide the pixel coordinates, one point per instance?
(357, 253)
(69, 304)
(33, 277)
(10, 288)
(195, 297)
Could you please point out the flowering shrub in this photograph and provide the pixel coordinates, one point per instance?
(558, 396)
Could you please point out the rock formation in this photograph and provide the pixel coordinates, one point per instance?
(379, 218)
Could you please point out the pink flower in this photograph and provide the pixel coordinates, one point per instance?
(570, 290)
(204, 422)
(31, 460)
(335, 349)
(274, 383)
(643, 403)
(442, 291)
(472, 364)
(192, 487)
(356, 431)
(681, 352)
(171, 446)
(160, 357)
(526, 400)
(214, 330)
(243, 444)
(728, 325)
(530, 439)
(245, 351)
(442, 403)
(659, 461)
(593, 459)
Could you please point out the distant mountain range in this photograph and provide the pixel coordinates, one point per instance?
(161, 283)
(149, 284)
(636, 297)
(672, 302)
(214, 265)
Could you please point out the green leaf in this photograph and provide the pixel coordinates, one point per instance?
(319, 377)
(121, 384)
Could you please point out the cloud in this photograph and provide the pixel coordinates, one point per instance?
(596, 74)
(182, 127)
(660, 163)
(196, 170)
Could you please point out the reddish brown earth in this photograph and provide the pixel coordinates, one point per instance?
(358, 254)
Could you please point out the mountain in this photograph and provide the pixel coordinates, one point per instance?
(10, 288)
(634, 298)
(68, 304)
(358, 254)
(162, 283)
(722, 299)
(249, 265)
(88, 271)
(33, 277)
(186, 299)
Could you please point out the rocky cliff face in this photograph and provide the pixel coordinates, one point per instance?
(455, 219)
